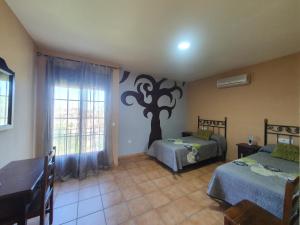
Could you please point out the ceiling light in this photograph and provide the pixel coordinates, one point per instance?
(184, 45)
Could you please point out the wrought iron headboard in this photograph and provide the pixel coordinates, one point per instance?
(280, 130)
(215, 124)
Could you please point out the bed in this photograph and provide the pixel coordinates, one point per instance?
(174, 155)
(260, 177)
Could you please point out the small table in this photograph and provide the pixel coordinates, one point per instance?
(244, 149)
(18, 183)
(186, 133)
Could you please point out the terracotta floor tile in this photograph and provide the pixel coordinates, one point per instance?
(206, 178)
(147, 187)
(89, 181)
(108, 186)
(140, 178)
(162, 182)
(143, 163)
(198, 196)
(197, 182)
(105, 177)
(149, 218)
(65, 198)
(153, 175)
(130, 165)
(117, 214)
(130, 222)
(207, 217)
(170, 214)
(69, 186)
(89, 192)
(146, 169)
(138, 192)
(186, 187)
(187, 206)
(173, 192)
(125, 182)
(135, 171)
(65, 214)
(120, 174)
(89, 206)
(164, 172)
(193, 222)
(157, 199)
(131, 192)
(112, 198)
(92, 219)
(138, 206)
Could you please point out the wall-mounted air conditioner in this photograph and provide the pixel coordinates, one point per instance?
(239, 80)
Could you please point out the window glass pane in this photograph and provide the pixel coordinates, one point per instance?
(89, 109)
(60, 109)
(67, 118)
(99, 95)
(100, 142)
(60, 92)
(74, 94)
(4, 98)
(73, 127)
(60, 127)
(99, 126)
(4, 85)
(88, 128)
(73, 144)
(73, 109)
(99, 109)
(59, 144)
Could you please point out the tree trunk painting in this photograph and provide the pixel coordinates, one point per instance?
(148, 88)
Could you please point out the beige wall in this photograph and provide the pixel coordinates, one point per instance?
(17, 48)
(273, 94)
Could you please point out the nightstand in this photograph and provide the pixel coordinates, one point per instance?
(186, 133)
(244, 149)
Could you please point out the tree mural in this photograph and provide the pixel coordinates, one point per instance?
(147, 94)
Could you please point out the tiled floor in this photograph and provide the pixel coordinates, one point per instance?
(138, 192)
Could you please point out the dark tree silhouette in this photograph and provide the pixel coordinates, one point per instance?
(147, 86)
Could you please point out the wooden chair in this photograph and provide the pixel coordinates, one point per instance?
(43, 199)
(248, 213)
(43, 203)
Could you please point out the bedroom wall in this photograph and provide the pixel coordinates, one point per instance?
(273, 94)
(17, 48)
(135, 128)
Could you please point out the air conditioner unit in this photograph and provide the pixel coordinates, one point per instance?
(239, 80)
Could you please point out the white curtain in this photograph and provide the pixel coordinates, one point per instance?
(77, 116)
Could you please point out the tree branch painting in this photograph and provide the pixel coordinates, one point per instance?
(148, 88)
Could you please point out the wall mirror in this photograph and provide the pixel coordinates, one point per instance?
(7, 79)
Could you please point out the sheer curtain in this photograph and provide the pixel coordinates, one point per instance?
(77, 116)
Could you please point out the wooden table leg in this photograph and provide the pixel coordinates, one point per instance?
(23, 214)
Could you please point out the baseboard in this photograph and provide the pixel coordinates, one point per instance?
(130, 156)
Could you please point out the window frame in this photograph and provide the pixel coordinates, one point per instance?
(11, 95)
(80, 118)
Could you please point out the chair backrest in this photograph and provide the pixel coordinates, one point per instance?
(291, 201)
(48, 177)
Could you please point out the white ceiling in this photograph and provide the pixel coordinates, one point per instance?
(142, 35)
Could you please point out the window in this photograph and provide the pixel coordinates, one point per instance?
(78, 120)
(6, 99)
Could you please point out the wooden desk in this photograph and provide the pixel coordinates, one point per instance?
(18, 182)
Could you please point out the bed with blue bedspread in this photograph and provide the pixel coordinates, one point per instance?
(258, 182)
